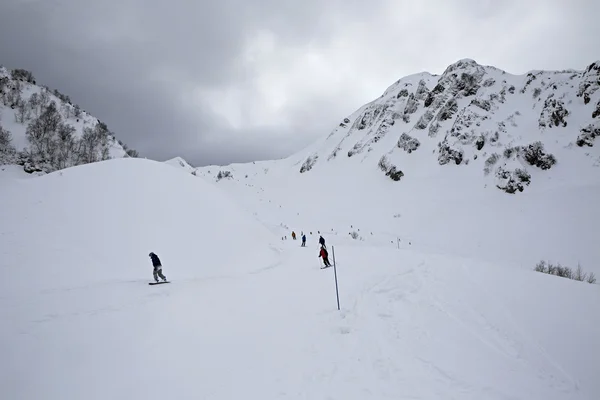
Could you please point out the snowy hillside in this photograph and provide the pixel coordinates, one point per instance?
(458, 142)
(42, 130)
(179, 162)
(511, 130)
(250, 316)
(135, 206)
(480, 121)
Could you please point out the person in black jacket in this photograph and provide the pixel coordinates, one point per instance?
(157, 267)
(322, 241)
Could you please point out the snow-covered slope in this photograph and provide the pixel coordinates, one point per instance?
(245, 317)
(480, 117)
(179, 162)
(102, 219)
(474, 120)
(23, 103)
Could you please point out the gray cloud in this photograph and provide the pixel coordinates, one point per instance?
(234, 81)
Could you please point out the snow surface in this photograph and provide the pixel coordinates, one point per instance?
(448, 214)
(251, 316)
(8, 172)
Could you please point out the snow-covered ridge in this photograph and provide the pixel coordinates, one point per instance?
(506, 131)
(179, 162)
(44, 131)
(509, 127)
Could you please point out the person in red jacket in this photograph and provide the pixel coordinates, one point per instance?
(323, 254)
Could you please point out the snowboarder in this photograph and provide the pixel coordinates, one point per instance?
(157, 267)
(303, 240)
(293, 235)
(323, 254)
(322, 241)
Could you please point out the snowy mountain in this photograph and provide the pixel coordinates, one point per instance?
(475, 162)
(248, 315)
(44, 131)
(508, 131)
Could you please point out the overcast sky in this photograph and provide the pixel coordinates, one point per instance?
(240, 80)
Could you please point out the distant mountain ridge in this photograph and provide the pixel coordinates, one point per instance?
(507, 125)
(44, 131)
(508, 130)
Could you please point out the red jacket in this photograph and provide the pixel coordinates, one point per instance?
(323, 253)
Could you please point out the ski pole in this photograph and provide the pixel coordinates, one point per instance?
(335, 275)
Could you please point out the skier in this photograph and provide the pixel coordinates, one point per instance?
(293, 235)
(322, 241)
(303, 240)
(323, 254)
(157, 267)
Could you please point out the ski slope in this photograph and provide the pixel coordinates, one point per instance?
(473, 145)
(447, 214)
(249, 315)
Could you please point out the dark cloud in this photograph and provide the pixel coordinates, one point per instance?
(237, 80)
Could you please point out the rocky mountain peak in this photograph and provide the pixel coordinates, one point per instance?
(512, 127)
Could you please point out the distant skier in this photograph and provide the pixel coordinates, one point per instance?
(323, 254)
(322, 241)
(293, 235)
(303, 240)
(157, 267)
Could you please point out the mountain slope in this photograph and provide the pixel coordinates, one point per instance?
(242, 309)
(481, 117)
(478, 117)
(179, 162)
(44, 131)
(109, 215)
(484, 120)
